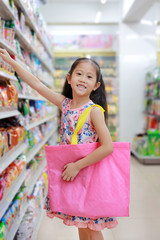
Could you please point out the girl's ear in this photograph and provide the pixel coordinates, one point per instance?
(97, 86)
(69, 78)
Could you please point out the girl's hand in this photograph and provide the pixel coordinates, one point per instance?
(70, 171)
(5, 56)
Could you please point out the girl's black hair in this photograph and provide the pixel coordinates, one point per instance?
(99, 95)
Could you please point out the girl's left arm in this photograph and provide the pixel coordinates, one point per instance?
(106, 147)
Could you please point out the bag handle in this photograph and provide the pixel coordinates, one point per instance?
(81, 121)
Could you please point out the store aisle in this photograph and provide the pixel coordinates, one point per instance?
(143, 223)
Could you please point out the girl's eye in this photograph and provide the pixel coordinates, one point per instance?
(79, 74)
(89, 76)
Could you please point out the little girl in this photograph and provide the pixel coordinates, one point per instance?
(84, 86)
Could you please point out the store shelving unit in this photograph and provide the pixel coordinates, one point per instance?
(35, 124)
(7, 114)
(10, 156)
(23, 96)
(146, 159)
(6, 12)
(37, 224)
(17, 222)
(3, 44)
(152, 89)
(35, 177)
(4, 75)
(20, 216)
(33, 25)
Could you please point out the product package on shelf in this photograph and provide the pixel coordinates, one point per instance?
(11, 134)
(34, 165)
(8, 96)
(147, 144)
(10, 174)
(152, 100)
(37, 134)
(35, 110)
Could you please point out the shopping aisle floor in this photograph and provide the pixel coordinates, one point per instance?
(144, 220)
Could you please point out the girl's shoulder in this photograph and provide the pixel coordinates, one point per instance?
(66, 103)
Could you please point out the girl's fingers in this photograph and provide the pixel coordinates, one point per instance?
(72, 178)
(68, 179)
(2, 50)
(65, 166)
(65, 178)
(63, 174)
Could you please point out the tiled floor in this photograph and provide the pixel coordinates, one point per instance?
(144, 220)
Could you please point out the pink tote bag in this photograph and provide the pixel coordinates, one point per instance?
(100, 190)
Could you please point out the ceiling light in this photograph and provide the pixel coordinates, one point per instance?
(132, 36)
(103, 1)
(98, 16)
(147, 22)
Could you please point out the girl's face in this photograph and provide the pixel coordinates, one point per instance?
(83, 79)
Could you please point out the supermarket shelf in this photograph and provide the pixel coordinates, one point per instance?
(152, 98)
(10, 49)
(8, 158)
(146, 160)
(4, 204)
(17, 222)
(36, 176)
(6, 11)
(27, 45)
(37, 225)
(36, 149)
(23, 96)
(153, 82)
(34, 124)
(32, 25)
(5, 75)
(6, 114)
(152, 115)
(43, 62)
(23, 40)
(47, 84)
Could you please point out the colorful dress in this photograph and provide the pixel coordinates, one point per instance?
(86, 135)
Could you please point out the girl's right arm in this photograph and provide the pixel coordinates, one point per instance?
(33, 81)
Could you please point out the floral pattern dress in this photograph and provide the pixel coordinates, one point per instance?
(86, 135)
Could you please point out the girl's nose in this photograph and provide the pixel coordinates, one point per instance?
(83, 79)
